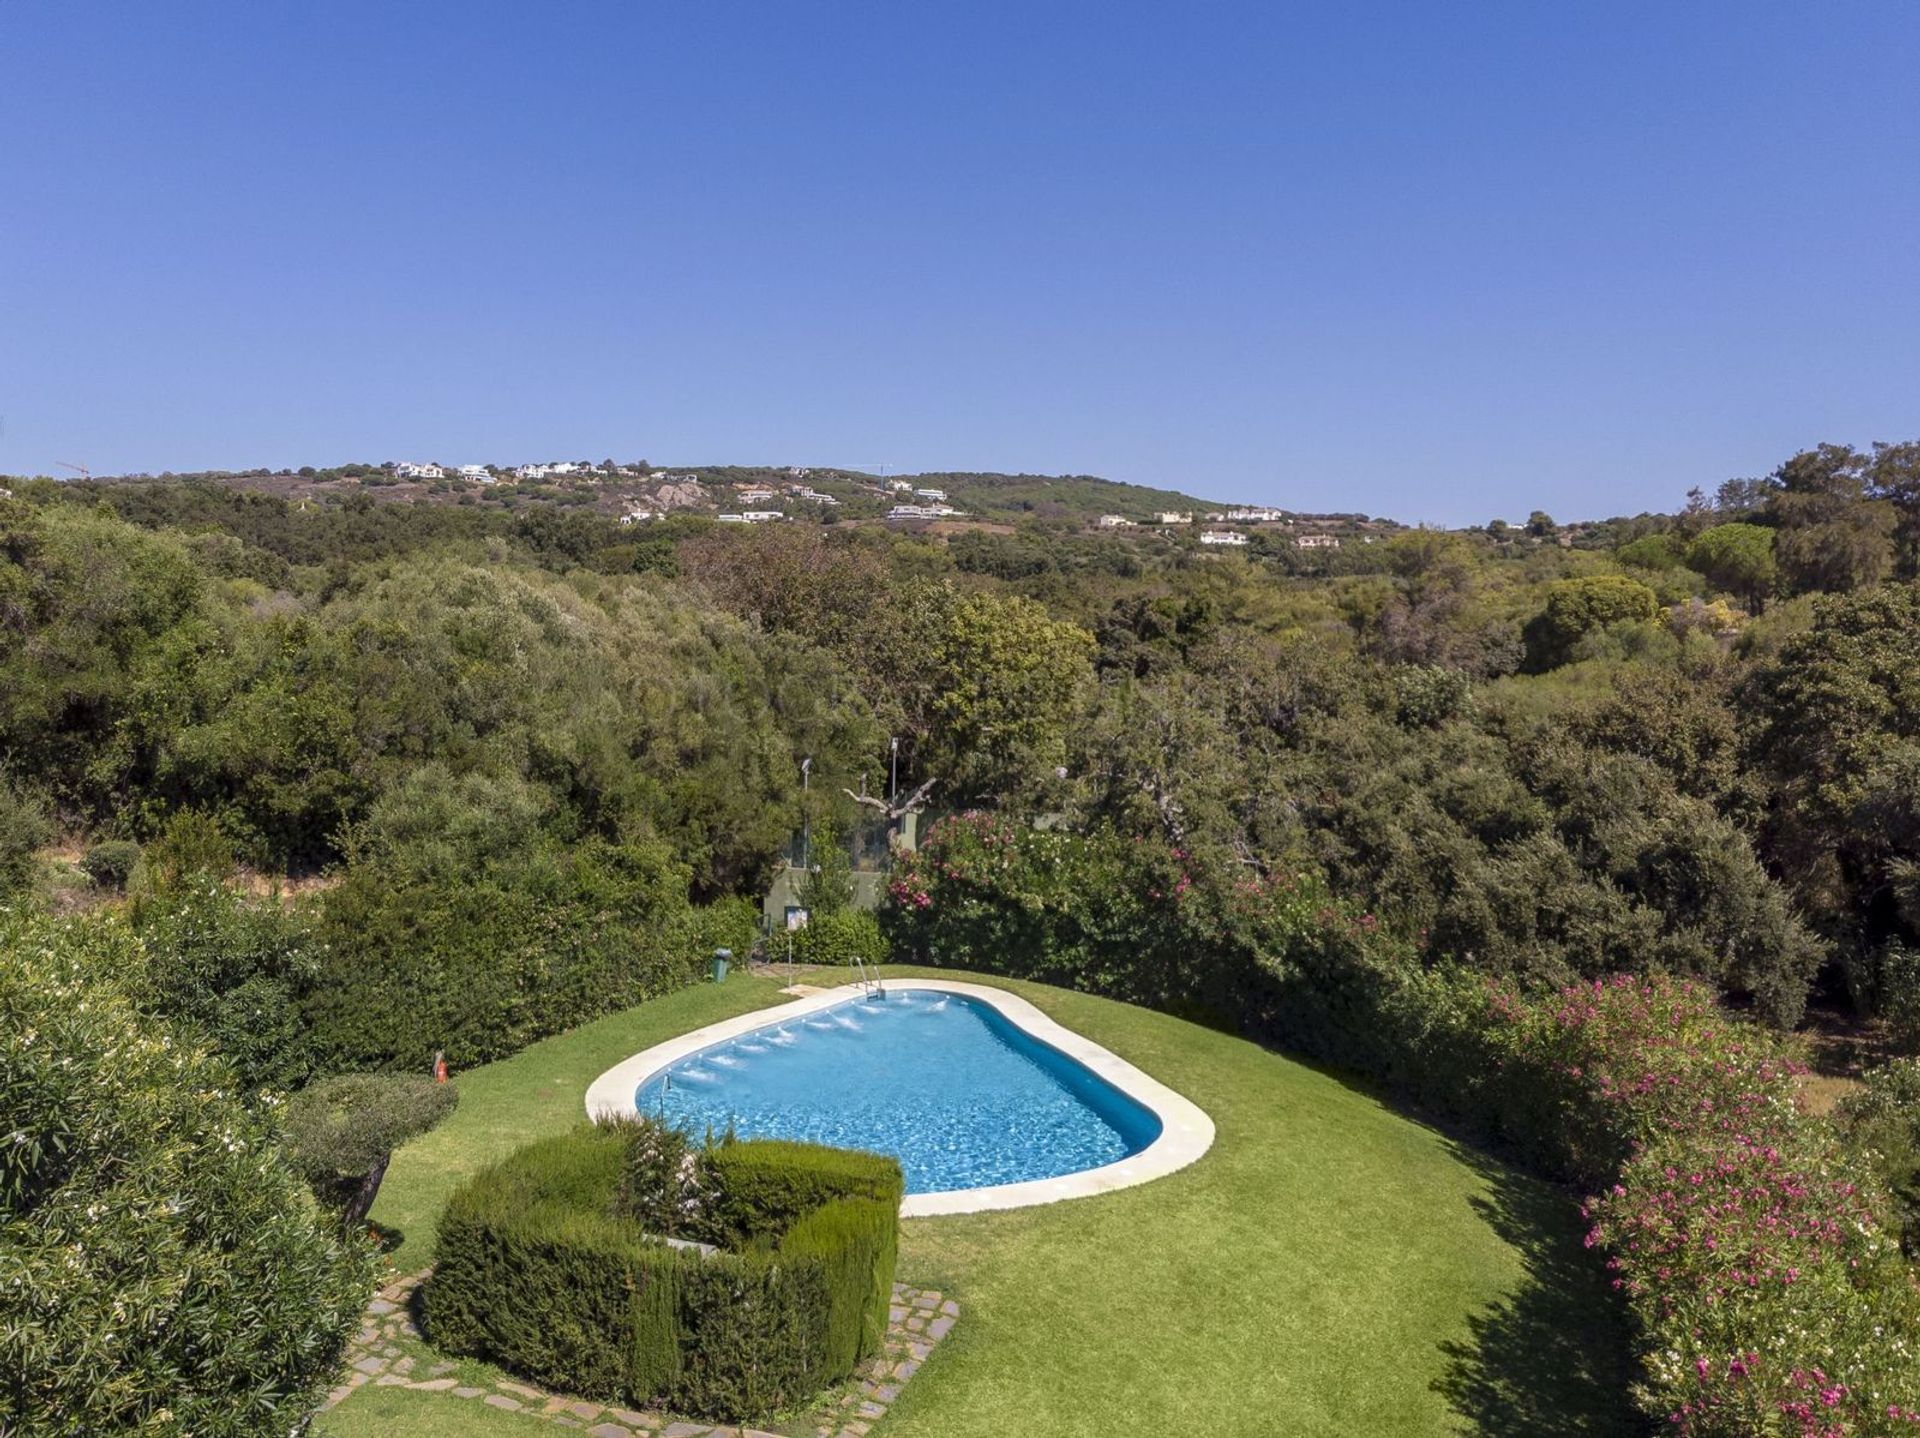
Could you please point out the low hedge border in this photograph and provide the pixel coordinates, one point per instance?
(540, 1272)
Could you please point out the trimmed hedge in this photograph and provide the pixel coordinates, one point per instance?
(837, 939)
(540, 1271)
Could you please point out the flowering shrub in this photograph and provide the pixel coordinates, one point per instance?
(162, 1269)
(1749, 1240)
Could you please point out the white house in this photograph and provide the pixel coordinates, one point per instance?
(812, 496)
(1223, 536)
(419, 471)
(755, 496)
(1114, 521)
(917, 511)
(1248, 516)
(1173, 516)
(638, 516)
(761, 516)
(933, 494)
(1317, 541)
(900, 486)
(478, 473)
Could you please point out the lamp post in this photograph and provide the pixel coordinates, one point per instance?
(806, 815)
(893, 780)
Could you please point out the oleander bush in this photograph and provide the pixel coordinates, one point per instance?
(162, 1269)
(24, 827)
(544, 1268)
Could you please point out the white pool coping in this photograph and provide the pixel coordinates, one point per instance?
(1185, 1130)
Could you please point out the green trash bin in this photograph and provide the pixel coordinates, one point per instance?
(717, 965)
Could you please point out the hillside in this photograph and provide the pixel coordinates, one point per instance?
(1001, 497)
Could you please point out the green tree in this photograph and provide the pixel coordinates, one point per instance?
(1834, 724)
(1009, 682)
(1576, 608)
(342, 1131)
(1894, 474)
(1737, 558)
(1833, 535)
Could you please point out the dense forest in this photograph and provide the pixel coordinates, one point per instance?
(333, 787)
(1686, 743)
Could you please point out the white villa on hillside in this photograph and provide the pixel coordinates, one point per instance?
(478, 473)
(1317, 541)
(750, 516)
(1223, 536)
(1173, 516)
(419, 471)
(933, 494)
(638, 516)
(1249, 516)
(755, 496)
(1114, 521)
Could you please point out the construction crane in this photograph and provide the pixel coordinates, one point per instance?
(79, 469)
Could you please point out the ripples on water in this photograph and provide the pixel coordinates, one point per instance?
(963, 1097)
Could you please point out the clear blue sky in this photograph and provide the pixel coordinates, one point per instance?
(1438, 261)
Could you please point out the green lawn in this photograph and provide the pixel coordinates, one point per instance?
(1329, 1268)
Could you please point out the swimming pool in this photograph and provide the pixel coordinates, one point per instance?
(880, 1074)
(986, 1102)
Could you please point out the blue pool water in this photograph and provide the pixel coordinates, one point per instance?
(962, 1096)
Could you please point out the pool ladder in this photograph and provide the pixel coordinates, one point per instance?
(868, 979)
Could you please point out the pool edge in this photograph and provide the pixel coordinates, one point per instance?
(1185, 1130)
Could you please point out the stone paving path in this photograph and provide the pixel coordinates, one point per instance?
(389, 1352)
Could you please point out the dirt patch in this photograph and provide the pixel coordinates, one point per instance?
(1840, 1047)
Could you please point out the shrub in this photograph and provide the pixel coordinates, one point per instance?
(164, 1270)
(1883, 1121)
(342, 1131)
(839, 937)
(24, 827)
(1896, 971)
(766, 1186)
(110, 862)
(234, 967)
(192, 846)
(482, 965)
(542, 1268)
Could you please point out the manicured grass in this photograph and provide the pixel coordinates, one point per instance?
(1330, 1267)
(541, 1090)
